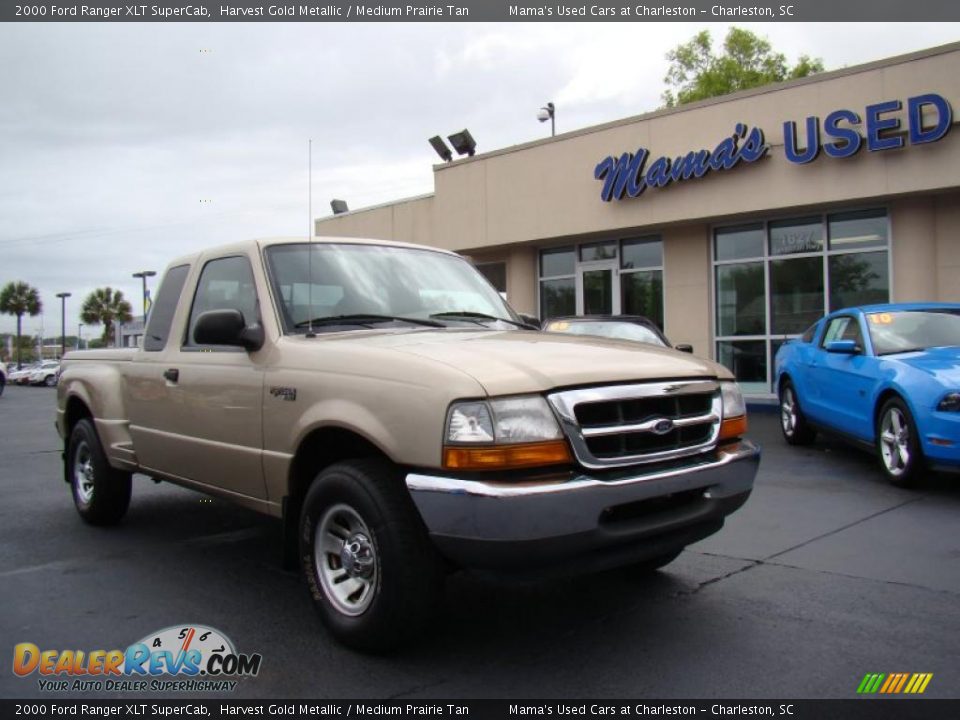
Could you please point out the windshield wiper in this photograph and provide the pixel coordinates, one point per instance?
(478, 317)
(365, 319)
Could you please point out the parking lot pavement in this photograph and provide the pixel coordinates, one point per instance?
(826, 574)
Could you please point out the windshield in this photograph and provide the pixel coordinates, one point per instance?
(617, 330)
(909, 330)
(364, 284)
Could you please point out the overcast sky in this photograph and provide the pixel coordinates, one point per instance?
(123, 145)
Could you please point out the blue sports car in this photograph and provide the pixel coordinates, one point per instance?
(883, 376)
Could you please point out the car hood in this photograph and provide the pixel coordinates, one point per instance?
(513, 362)
(942, 363)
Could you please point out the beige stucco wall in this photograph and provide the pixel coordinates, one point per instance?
(947, 231)
(686, 287)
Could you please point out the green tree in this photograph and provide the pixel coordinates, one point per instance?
(104, 306)
(747, 61)
(18, 298)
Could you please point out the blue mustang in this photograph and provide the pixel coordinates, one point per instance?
(882, 376)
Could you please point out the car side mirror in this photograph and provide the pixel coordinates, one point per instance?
(684, 347)
(843, 347)
(227, 327)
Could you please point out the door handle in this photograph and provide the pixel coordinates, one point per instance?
(172, 374)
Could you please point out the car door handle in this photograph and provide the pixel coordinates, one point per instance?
(172, 374)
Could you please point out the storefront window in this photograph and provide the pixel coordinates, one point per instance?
(748, 362)
(558, 261)
(739, 242)
(858, 279)
(643, 294)
(641, 253)
(858, 230)
(598, 251)
(496, 273)
(557, 298)
(589, 279)
(799, 269)
(796, 294)
(741, 294)
(788, 237)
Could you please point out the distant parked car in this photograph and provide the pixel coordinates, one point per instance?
(886, 377)
(45, 374)
(620, 327)
(22, 376)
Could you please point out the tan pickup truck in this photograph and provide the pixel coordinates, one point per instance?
(403, 421)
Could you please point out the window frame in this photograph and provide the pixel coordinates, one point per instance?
(185, 344)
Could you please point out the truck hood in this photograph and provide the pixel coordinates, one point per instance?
(514, 362)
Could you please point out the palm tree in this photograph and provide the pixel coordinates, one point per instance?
(106, 306)
(18, 298)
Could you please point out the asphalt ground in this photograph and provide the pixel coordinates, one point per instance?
(826, 574)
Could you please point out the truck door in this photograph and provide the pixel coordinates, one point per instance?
(202, 419)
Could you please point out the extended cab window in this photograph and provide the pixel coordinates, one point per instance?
(161, 314)
(225, 284)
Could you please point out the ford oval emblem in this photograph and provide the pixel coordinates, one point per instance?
(662, 427)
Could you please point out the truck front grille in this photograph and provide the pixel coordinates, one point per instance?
(621, 425)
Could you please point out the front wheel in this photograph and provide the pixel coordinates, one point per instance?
(373, 573)
(793, 424)
(898, 445)
(101, 493)
(50, 381)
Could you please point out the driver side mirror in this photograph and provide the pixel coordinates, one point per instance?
(227, 327)
(843, 347)
(529, 319)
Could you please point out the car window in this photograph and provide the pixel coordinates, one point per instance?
(161, 314)
(225, 284)
(842, 328)
(807, 336)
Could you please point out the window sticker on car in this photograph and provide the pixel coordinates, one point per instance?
(880, 318)
(559, 326)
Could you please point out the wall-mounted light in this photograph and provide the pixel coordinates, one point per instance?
(339, 207)
(463, 142)
(441, 147)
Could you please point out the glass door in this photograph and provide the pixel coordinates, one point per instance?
(598, 288)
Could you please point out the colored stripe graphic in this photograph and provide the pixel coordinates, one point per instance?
(894, 683)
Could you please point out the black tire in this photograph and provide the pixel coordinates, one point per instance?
(101, 493)
(898, 444)
(378, 544)
(646, 567)
(793, 424)
(3, 383)
(50, 381)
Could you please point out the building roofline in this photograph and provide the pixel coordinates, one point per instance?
(378, 206)
(719, 100)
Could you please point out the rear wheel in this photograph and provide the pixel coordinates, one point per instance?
(796, 430)
(898, 445)
(373, 573)
(101, 493)
(50, 381)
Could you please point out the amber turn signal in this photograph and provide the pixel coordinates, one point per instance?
(507, 457)
(733, 427)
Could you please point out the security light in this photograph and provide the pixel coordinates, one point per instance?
(339, 207)
(441, 147)
(463, 142)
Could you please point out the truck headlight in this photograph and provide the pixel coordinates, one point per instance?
(503, 433)
(734, 422)
(950, 402)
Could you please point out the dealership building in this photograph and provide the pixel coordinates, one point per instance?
(734, 222)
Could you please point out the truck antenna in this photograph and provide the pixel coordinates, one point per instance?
(310, 332)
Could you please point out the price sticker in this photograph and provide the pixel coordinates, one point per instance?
(881, 318)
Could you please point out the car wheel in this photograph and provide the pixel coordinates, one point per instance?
(898, 445)
(373, 574)
(3, 384)
(793, 424)
(101, 493)
(50, 381)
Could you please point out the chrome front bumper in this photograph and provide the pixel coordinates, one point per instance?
(603, 518)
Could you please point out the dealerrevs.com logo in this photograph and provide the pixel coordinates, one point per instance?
(186, 658)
